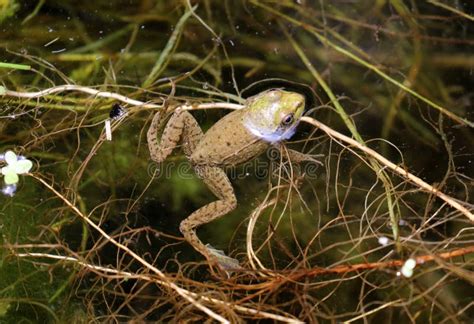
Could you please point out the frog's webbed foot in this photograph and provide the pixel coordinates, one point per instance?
(225, 262)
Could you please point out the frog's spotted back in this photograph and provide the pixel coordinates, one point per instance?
(228, 143)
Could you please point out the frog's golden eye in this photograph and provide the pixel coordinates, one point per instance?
(288, 119)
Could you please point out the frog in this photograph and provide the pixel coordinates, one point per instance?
(267, 119)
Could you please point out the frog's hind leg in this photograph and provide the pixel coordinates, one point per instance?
(181, 125)
(218, 182)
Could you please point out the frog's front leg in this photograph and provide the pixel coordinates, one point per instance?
(181, 125)
(218, 182)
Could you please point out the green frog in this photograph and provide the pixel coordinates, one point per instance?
(267, 119)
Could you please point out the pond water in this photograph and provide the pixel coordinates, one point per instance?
(91, 227)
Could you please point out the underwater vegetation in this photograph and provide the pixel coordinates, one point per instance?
(376, 224)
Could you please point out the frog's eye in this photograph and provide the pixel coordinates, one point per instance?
(288, 119)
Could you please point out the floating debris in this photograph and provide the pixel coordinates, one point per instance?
(117, 111)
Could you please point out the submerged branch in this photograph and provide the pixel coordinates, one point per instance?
(180, 291)
(111, 95)
(401, 171)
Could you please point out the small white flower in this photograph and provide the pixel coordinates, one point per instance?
(402, 222)
(408, 267)
(410, 263)
(15, 165)
(406, 272)
(383, 240)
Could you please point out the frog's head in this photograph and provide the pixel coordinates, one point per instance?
(274, 114)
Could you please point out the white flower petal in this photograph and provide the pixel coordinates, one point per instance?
(410, 264)
(406, 272)
(22, 166)
(11, 178)
(7, 170)
(408, 267)
(10, 157)
(383, 240)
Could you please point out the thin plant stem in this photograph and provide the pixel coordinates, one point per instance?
(401, 171)
(388, 187)
(160, 64)
(449, 8)
(325, 41)
(180, 291)
(14, 66)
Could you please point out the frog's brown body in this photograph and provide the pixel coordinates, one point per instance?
(228, 143)
(238, 137)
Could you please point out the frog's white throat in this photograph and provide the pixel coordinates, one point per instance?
(269, 134)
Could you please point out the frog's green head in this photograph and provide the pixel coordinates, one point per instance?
(274, 114)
